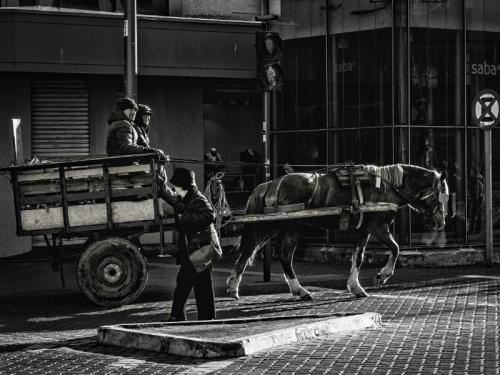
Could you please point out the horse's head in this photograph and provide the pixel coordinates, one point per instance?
(434, 202)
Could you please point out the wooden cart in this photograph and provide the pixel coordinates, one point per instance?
(110, 201)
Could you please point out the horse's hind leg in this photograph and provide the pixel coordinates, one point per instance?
(287, 245)
(353, 284)
(252, 239)
(384, 235)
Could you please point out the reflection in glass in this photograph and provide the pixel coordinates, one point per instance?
(441, 150)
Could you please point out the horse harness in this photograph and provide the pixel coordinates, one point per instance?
(439, 188)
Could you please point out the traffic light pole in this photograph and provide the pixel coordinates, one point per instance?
(266, 104)
(489, 198)
(130, 41)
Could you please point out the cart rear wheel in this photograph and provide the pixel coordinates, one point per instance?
(112, 272)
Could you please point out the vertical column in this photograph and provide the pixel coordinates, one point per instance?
(130, 40)
(489, 200)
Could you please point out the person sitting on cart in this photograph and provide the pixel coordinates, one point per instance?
(123, 138)
(194, 223)
(143, 124)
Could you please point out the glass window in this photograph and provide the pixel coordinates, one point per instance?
(360, 50)
(303, 95)
(483, 44)
(366, 146)
(303, 99)
(305, 151)
(361, 78)
(436, 55)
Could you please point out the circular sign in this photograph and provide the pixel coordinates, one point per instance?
(486, 109)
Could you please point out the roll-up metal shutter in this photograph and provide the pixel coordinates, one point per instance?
(59, 118)
(59, 125)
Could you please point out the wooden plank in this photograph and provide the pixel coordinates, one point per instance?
(96, 184)
(156, 207)
(64, 201)
(17, 204)
(125, 193)
(378, 207)
(107, 191)
(314, 212)
(87, 214)
(284, 208)
(83, 173)
(87, 161)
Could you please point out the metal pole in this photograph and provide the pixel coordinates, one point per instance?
(130, 40)
(489, 196)
(266, 125)
(267, 171)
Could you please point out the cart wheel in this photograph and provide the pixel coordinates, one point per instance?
(112, 272)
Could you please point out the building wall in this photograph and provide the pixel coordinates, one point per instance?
(12, 89)
(65, 42)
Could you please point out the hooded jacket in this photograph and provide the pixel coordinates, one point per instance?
(122, 138)
(141, 128)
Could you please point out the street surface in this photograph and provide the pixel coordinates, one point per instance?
(435, 321)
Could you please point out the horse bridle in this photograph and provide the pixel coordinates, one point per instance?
(440, 189)
(414, 204)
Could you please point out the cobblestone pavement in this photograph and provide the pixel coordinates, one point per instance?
(446, 324)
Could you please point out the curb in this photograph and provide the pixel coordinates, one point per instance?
(182, 344)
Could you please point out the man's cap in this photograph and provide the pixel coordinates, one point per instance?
(126, 103)
(183, 178)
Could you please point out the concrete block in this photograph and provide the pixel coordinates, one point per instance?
(231, 337)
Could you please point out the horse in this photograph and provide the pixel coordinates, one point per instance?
(423, 190)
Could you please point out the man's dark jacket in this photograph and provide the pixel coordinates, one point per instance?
(194, 221)
(122, 138)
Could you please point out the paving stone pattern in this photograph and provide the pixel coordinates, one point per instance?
(443, 326)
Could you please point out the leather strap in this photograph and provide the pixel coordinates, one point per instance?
(315, 189)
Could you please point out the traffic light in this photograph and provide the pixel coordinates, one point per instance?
(269, 53)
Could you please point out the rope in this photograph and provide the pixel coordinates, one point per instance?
(214, 191)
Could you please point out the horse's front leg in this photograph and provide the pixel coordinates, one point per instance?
(287, 245)
(353, 284)
(383, 234)
(252, 240)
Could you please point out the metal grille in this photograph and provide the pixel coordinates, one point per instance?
(59, 124)
(59, 118)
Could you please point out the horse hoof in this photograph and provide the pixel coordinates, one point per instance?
(362, 294)
(233, 294)
(382, 279)
(307, 297)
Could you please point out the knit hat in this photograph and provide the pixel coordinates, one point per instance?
(183, 178)
(126, 103)
(144, 110)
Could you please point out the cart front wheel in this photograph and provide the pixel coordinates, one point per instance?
(112, 272)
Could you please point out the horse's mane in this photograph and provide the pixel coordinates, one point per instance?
(389, 175)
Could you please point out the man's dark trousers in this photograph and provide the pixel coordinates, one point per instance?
(188, 278)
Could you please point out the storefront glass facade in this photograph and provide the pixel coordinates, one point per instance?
(392, 82)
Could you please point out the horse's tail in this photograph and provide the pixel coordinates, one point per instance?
(255, 203)
(249, 233)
